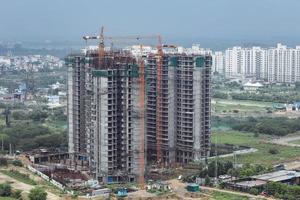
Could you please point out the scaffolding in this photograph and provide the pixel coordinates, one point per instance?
(128, 105)
(159, 102)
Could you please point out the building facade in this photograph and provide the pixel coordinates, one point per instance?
(218, 62)
(274, 65)
(185, 108)
(120, 124)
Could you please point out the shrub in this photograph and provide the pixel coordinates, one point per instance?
(254, 191)
(17, 194)
(5, 190)
(273, 151)
(3, 161)
(17, 163)
(37, 193)
(207, 181)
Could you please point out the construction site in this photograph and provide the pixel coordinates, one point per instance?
(139, 108)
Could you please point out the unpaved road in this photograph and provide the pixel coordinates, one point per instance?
(23, 186)
(286, 141)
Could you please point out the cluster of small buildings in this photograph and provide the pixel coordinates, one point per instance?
(259, 182)
(29, 62)
(279, 64)
(21, 94)
(287, 106)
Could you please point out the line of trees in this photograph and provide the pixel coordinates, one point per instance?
(227, 167)
(28, 136)
(283, 191)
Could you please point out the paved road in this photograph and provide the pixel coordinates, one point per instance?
(23, 186)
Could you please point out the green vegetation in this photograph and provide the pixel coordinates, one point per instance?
(17, 163)
(283, 191)
(43, 78)
(273, 151)
(3, 162)
(17, 194)
(224, 89)
(267, 96)
(5, 190)
(7, 198)
(262, 156)
(226, 167)
(240, 106)
(227, 196)
(295, 142)
(38, 127)
(254, 191)
(37, 193)
(279, 126)
(19, 176)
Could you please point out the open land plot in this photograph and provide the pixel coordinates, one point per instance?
(262, 156)
(221, 105)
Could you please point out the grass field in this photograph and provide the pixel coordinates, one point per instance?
(7, 198)
(226, 196)
(19, 176)
(262, 156)
(220, 105)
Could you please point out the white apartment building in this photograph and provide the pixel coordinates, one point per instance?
(279, 64)
(218, 62)
(283, 64)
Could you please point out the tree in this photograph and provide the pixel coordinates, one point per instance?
(19, 115)
(233, 172)
(3, 139)
(254, 191)
(38, 115)
(5, 190)
(207, 181)
(37, 193)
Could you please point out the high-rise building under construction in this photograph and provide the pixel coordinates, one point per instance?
(126, 110)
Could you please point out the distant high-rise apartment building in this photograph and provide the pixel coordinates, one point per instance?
(274, 65)
(283, 64)
(107, 124)
(233, 61)
(218, 62)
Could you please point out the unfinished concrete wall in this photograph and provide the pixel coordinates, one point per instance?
(70, 111)
(197, 114)
(172, 65)
(100, 126)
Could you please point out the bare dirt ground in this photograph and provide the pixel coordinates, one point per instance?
(140, 194)
(23, 186)
(292, 165)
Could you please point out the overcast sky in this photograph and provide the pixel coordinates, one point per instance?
(249, 20)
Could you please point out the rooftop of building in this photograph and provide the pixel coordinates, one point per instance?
(249, 84)
(250, 183)
(278, 176)
(137, 50)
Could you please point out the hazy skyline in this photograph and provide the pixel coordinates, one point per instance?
(261, 21)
